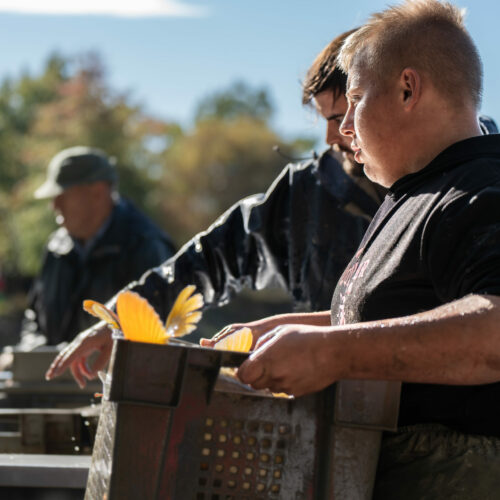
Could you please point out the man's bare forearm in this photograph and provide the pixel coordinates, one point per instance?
(458, 343)
(321, 318)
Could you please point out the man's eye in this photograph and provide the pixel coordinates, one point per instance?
(336, 119)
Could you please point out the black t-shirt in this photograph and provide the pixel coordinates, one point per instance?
(435, 238)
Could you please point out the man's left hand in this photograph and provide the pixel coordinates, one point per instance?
(293, 359)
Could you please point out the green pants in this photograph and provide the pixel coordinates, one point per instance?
(432, 462)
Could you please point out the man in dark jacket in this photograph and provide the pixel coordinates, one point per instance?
(420, 300)
(300, 234)
(102, 244)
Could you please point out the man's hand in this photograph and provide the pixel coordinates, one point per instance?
(457, 344)
(75, 356)
(265, 325)
(258, 328)
(293, 359)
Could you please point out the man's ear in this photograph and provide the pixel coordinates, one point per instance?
(411, 87)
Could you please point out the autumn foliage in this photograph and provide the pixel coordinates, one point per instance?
(183, 178)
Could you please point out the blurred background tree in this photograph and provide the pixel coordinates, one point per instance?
(238, 100)
(182, 178)
(228, 154)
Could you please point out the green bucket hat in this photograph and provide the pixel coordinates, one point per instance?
(77, 165)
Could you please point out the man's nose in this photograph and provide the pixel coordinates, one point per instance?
(347, 126)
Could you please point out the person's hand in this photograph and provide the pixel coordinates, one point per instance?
(76, 355)
(259, 328)
(294, 359)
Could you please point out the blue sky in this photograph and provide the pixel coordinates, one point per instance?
(168, 54)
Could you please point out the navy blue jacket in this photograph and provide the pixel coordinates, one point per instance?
(129, 246)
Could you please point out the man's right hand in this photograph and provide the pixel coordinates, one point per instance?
(263, 326)
(76, 355)
(259, 327)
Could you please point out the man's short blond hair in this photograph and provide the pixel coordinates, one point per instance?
(427, 35)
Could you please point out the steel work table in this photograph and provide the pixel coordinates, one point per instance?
(46, 471)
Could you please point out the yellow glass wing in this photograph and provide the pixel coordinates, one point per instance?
(102, 312)
(240, 340)
(185, 312)
(139, 321)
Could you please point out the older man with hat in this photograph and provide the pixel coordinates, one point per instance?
(102, 244)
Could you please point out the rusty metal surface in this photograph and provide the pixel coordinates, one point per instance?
(168, 430)
(247, 448)
(368, 404)
(102, 456)
(198, 442)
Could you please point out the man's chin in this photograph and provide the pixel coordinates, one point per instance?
(381, 181)
(351, 166)
(349, 156)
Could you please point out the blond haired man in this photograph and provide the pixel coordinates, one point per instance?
(420, 301)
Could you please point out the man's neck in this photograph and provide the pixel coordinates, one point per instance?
(85, 246)
(441, 134)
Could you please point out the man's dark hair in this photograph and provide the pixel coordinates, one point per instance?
(324, 74)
